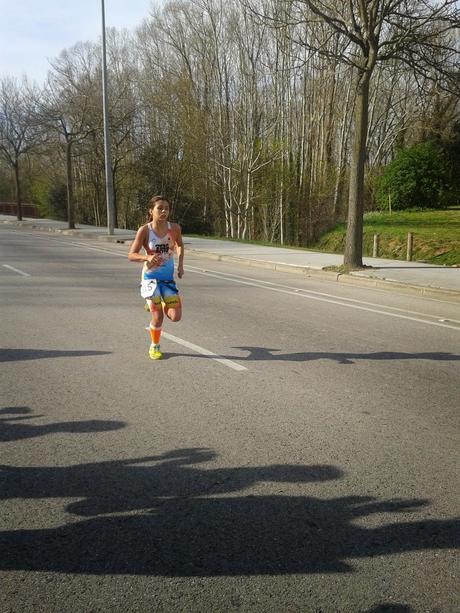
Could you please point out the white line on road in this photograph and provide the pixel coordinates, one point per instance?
(20, 272)
(302, 293)
(64, 241)
(256, 283)
(123, 255)
(203, 351)
(231, 276)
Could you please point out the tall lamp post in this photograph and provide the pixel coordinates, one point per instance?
(108, 165)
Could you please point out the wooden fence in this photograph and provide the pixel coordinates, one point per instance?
(11, 208)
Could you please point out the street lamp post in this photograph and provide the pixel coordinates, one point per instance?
(108, 165)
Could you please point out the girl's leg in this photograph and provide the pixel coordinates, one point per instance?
(173, 307)
(155, 328)
(174, 314)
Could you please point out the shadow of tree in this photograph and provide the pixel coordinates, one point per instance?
(267, 354)
(19, 355)
(389, 607)
(13, 428)
(161, 515)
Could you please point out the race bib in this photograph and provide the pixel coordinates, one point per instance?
(148, 287)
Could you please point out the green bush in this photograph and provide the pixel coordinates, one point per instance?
(419, 176)
(56, 206)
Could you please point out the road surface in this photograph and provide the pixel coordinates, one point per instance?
(296, 450)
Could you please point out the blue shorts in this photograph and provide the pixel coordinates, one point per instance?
(155, 292)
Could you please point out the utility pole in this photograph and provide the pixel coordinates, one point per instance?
(108, 164)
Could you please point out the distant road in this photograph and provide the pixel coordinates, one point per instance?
(294, 451)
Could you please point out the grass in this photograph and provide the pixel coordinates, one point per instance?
(436, 235)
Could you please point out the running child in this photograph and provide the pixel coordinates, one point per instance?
(159, 238)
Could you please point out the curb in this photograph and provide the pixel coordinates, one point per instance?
(79, 233)
(268, 265)
(108, 238)
(406, 288)
(350, 278)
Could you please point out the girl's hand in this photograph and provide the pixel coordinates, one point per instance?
(180, 271)
(154, 260)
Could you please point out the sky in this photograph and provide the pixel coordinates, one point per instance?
(34, 31)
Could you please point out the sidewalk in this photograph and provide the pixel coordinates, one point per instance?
(440, 282)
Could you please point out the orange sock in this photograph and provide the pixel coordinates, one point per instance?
(155, 334)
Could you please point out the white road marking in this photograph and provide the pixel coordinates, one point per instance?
(310, 296)
(20, 272)
(63, 241)
(203, 351)
(123, 255)
(303, 293)
(310, 291)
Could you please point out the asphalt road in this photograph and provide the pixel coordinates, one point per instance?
(296, 450)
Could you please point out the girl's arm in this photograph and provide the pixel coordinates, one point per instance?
(180, 250)
(139, 243)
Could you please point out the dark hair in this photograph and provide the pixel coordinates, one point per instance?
(152, 203)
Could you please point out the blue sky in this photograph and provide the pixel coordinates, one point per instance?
(34, 31)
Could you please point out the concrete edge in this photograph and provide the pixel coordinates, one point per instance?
(346, 278)
(78, 232)
(114, 238)
(267, 265)
(406, 288)
(350, 278)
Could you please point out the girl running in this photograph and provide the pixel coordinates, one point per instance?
(158, 237)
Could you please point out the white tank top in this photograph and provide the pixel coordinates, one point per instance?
(163, 246)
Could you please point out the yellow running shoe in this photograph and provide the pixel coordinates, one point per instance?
(154, 352)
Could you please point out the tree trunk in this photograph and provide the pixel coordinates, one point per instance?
(115, 198)
(354, 238)
(343, 139)
(18, 191)
(70, 204)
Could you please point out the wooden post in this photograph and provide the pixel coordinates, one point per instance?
(410, 241)
(375, 249)
(389, 203)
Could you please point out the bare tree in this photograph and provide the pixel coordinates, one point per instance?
(20, 132)
(70, 107)
(250, 130)
(412, 31)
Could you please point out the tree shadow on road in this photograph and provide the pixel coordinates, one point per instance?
(19, 355)
(263, 353)
(389, 607)
(256, 354)
(163, 515)
(13, 428)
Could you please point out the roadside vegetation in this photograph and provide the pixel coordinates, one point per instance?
(268, 127)
(436, 235)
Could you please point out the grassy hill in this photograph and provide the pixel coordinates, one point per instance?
(436, 235)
